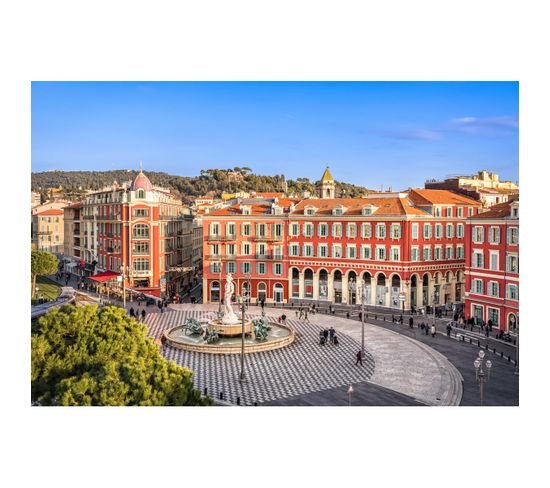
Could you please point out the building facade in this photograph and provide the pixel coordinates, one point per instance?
(398, 250)
(47, 231)
(140, 231)
(492, 267)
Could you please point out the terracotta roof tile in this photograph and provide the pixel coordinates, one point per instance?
(499, 211)
(51, 211)
(421, 196)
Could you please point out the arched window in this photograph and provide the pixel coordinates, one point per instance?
(140, 193)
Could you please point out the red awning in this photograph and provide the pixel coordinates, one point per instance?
(105, 276)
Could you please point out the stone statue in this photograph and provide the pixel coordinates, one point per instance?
(260, 328)
(192, 326)
(229, 316)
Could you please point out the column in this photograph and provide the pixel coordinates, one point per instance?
(302, 285)
(205, 290)
(330, 287)
(316, 285)
(345, 289)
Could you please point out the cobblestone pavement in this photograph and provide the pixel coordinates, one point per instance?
(418, 374)
(303, 367)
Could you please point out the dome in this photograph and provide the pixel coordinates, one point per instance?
(142, 182)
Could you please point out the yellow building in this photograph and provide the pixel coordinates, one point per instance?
(47, 230)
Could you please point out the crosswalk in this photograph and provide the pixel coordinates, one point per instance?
(302, 367)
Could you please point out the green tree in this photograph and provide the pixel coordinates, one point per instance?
(90, 356)
(42, 263)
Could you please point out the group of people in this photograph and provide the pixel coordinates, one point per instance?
(59, 276)
(137, 314)
(428, 329)
(327, 335)
(282, 319)
(302, 313)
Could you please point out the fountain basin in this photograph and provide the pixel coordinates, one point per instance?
(279, 336)
(231, 330)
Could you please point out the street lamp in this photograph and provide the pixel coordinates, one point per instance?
(242, 377)
(220, 289)
(483, 371)
(124, 270)
(363, 289)
(350, 391)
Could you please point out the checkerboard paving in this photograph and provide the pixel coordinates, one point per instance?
(302, 367)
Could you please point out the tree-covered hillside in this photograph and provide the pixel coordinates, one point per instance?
(210, 180)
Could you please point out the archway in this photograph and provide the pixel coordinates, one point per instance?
(352, 287)
(246, 292)
(337, 286)
(261, 291)
(215, 292)
(323, 284)
(395, 290)
(437, 289)
(308, 283)
(459, 286)
(381, 290)
(295, 283)
(512, 322)
(278, 293)
(447, 296)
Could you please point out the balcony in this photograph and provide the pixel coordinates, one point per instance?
(88, 217)
(45, 232)
(221, 257)
(216, 238)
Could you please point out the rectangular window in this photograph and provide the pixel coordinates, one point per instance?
(459, 211)
(414, 231)
(470, 211)
(278, 269)
(351, 252)
(395, 231)
(459, 252)
(493, 289)
(141, 248)
(308, 250)
(336, 230)
(231, 267)
(214, 229)
(246, 229)
(322, 251)
(395, 254)
(366, 252)
(448, 212)
(493, 315)
(494, 261)
(438, 231)
(351, 231)
(366, 231)
(448, 253)
(460, 231)
(246, 248)
(449, 231)
(261, 230)
(437, 253)
(477, 287)
(141, 264)
(230, 230)
(322, 230)
(381, 231)
(494, 235)
(512, 264)
(277, 230)
(512, 292)
(477, 234)
(427, 231)
(380, 253)
(260, 268)
(294, 229)
(426, 253)
(415, 254)
(336, 251)
(141, 212)
(513, 236)
(308, 230)
(246, 268)
(294, 250)
(477, 260)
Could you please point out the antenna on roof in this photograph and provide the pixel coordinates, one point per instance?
(140, 166)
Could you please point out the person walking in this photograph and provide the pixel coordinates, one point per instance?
(335, 340)
(331, 333)
(359, 358)
(427, 330)
(449, 328)
(143, 314)
(321, 337)
(411, 322)
(325, 334)
(305, 315)
(433, 330)
(132, 312)
(284, 318)
(138, 315)
(160, 306)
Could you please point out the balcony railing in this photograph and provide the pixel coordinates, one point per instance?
(45, 232)
(217, 238)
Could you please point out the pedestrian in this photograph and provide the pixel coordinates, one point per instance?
(427, 330)
(143, 314)
(433, 330)
(325, 334)
(262, 304)
(284, 318)
(132, 312)
(321, 337)
(449, 328)
(305, 315)
(359, 358)
(138, 315)
(335, 341)
(486, 331)
(411, 322)
(347, 315)
(331, 333)
(401, 319)
(296, 313)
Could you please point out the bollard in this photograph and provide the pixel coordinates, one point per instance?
(238, 400)
(463, 338)
(477, 343)
(494, 350)
(470, 340)
(221, 395)
(205, 391)
(255, 404)
(508, 358)
(384, 318)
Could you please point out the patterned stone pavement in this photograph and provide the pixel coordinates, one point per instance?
(300, 368)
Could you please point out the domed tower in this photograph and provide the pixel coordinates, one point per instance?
(328, 186)
(141, 182)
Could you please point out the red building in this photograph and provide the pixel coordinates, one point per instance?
(492, 266)
(408, 245)
(140, 231)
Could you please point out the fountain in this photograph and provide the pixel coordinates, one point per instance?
(224, 334)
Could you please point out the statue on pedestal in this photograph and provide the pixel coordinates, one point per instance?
(229, 316)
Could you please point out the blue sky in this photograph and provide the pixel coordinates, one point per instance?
(394, 134)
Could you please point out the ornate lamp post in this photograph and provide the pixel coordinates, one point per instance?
(363, 289)
(483, 371)
(350, 391)
(241, 376)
